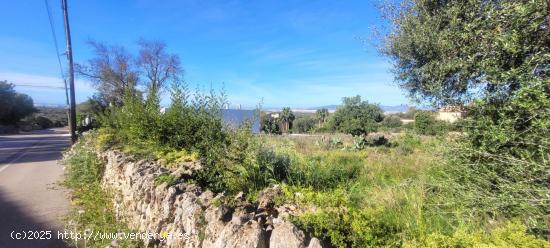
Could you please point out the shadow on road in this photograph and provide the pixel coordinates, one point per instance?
(13, 219)
(36, 149)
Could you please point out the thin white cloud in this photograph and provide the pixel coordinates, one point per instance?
(25, 79)
(46, 90)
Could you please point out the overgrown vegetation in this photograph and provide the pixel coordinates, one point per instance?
(498, 170)
(486, 186)
(425, 123)
(93, 211)
(378, 196)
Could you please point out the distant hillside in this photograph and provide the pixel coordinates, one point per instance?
(329, 107)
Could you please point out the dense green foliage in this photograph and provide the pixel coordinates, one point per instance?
(46, 117)
(426, 123)
(322, 116)
(391, 121)
(378, 196)
(269, 125)
(287, 118)
(356, 117)
(57, 115)
(193, 125)
(304, 124)
(501, 165)
(446, 50)
(494, 55)
(15, 106)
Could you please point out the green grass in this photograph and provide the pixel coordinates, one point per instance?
(349, 197)
(92, 209)
(379, 196)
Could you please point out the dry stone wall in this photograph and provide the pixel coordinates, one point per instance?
(188, 215)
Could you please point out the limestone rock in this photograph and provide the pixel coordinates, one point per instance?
(286, 235)
(188, 213)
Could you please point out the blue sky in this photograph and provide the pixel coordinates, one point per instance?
(288, 53)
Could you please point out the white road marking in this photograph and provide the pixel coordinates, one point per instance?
(19, 157)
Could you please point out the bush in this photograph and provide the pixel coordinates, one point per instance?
(245, 166)
(192, 126)
(350, 228)
(426, 124)
(43, 122)
(362, 141)
(391, 121)
(407, 143)
(356, 117)
(83, 166)
(270, 125)
(510, 235)
(303, 124)
(15, 106)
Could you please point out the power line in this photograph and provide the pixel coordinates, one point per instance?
(39, 86)
(57, 53)
(54, 36)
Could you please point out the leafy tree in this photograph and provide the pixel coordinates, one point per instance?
(94, 105)
(356, 117)
(287, 117)
(450, 51)
(495, 55)
(15, 106)
(322, 115)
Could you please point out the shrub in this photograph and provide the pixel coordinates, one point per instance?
(15, 106)
(391, 121)
(407, 143)
(244, 166)
(270, 125)
(170, 158)
(343, 227)
(362, 141)
(356, 117)
(83, 166)
(509, 235)
(303, 124)
(426, 124)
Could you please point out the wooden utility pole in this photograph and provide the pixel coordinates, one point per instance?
(69, 52)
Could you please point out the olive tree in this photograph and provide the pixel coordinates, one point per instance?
(356, 117)
(493, 56)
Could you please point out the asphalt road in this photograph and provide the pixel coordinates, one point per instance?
(30, 199)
